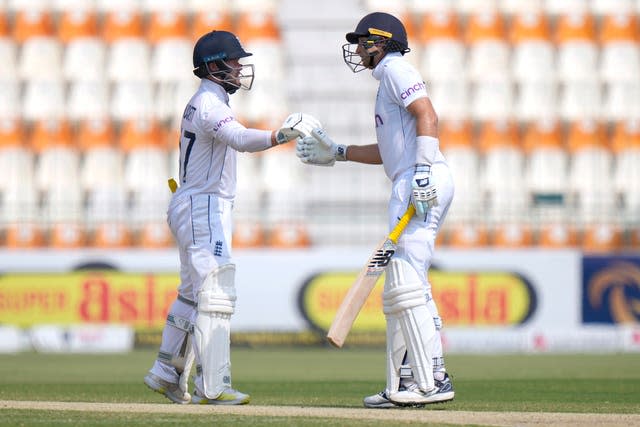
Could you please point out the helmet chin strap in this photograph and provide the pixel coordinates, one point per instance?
(372, 53)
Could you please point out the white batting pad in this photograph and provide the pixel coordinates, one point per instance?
(404, 301)
(216, 304)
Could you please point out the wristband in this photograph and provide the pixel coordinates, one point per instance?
(426, 149)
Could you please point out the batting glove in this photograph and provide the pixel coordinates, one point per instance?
(297, 125)
(424, 190)
(319, 149)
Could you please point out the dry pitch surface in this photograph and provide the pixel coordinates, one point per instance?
(402, 415)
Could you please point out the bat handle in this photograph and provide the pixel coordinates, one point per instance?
(402, 224)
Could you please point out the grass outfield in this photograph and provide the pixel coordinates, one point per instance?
(318, 378)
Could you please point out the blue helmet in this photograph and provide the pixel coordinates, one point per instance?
(384, 25)
(219, 47)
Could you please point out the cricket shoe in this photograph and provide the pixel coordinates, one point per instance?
(380, 401)
(228, 397)
(170, 390)
(414, 396)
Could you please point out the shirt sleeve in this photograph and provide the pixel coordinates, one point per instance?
(218, 120)
(405, 84)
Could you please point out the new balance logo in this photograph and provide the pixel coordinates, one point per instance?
(217, 249)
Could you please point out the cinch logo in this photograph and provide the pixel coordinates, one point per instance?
(222, 122)
(379, 121)
(413, 89)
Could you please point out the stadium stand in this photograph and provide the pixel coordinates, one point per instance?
(539, 104)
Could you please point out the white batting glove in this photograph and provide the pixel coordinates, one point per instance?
(319, 149)
(424, 192)
(297, 125)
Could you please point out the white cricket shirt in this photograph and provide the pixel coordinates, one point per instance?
(210, 137)
(400, 85)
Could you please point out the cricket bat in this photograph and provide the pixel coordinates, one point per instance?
(365, 282)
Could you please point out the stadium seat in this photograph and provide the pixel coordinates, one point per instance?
(145, 179)
(443, 49)
(132, 100)
(161, 6)
(533, 52)
(556, 8)
(289, 235)
(450, 98)
(590, 173)
(607, 7)
(18, 199)
(488, 47)
(520, 7)
(458, 146)
(8, 51)
(502, 173)
(87, 100)
(625, 144)
(101, 177)
(577, 49)
(85, 52)
(128, 51)
(420, 7)
(40, 49)
(580, 100)
(57, 180)
(206, 19)
(546, 179)
(10, 100)
(536, 100)
(621, 101)
(601, 237)
(492, 100)
(619, 54)
(171, 56)
(43, 100)
(465, 235)
(265, 105)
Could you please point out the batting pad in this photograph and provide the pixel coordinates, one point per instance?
(404, 302)
(216, 304)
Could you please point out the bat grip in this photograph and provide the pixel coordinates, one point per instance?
(402, 224)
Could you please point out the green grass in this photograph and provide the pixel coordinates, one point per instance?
(320, 377)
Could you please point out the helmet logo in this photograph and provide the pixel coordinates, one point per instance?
(377, 32)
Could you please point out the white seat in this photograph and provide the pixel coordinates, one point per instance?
(10, 98)
(17, 187)
(131, 99)
(102, 180)
(560, 7)
(591, 181)
(106, 6)
(626, 179)
(43, 100)
(151, 6)
(536, 101)
(38, 54)
(171, 60)
(87, 100)
(8, 53)
(84, 59)
(465, 165)
(444, 59)
(533, 61)
(518, 7)
(619, 54)
(450, 98)
(577, 61)
(58, 181)
(621, 100)
(492, 100)
(488, 49)
(580, 100)
(605, 7)
(128, 60)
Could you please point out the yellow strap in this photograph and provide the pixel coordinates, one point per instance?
(173, 185)
(402, 224)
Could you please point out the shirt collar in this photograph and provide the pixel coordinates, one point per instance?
(216, 88)
(378, 71)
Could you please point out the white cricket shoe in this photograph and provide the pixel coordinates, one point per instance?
(171, 391)
(379, 401)
(229, 396)
(413, 396)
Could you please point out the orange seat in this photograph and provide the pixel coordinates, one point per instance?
(466, 235)
(618, 28)
(248, 235)
(76, 24)
(29, 24)
(601, 237)
(575, 26)
(141, 133)
(155, 235)
(439, 25)
(66, 235)
(455, 134)
(512, 235)
(122, 24)
(556, 236)
(23, 235)
(586, 134)
(166, 25)
(207, 21)
(527, 27)
(51, 133)
(110, 235)
(289, 235)
(498, 134)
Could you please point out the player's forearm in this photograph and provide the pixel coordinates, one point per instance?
(369, 154)
(251, 140)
